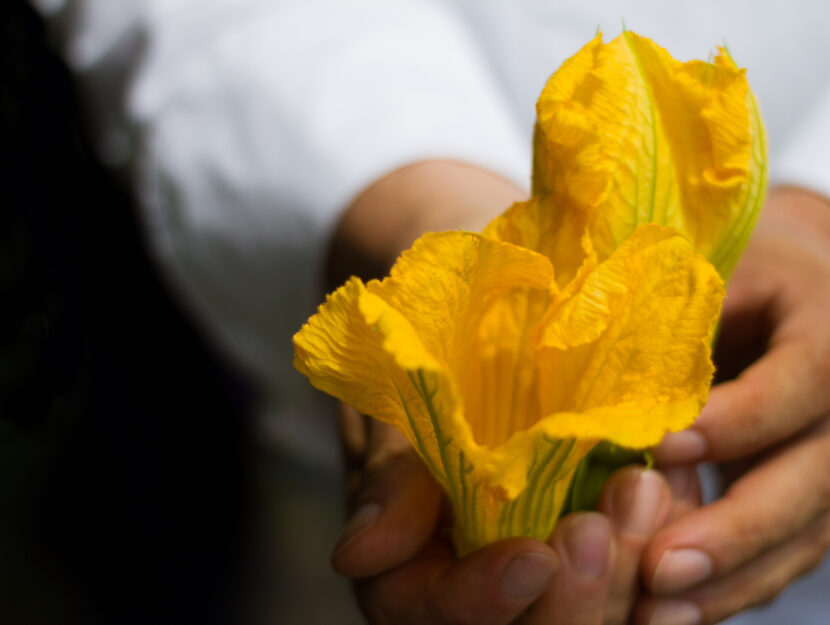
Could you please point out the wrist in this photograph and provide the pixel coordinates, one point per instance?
(392, 212)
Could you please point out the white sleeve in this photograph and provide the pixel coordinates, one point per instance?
(248, 125)
(804, 159)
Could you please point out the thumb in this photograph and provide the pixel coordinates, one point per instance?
(394, 511)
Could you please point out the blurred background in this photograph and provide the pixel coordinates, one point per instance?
(136, 485)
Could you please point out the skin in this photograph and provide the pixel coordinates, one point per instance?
(770, 428)
(406, 572)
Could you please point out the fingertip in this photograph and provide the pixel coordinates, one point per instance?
(670, 562)
(584, 542)
(637, 501)
(395, 515)
(495, 584)
(679, 570)
(682, 447)
(686, 494)
(363, 520)
(527, 575)
(587, 549)
(651, 554)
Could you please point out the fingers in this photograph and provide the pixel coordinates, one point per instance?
(760, 408)
(753, 584)
(685, 488)
(491, 586)
(394, 511)
(638, 502)
(600, 553)
(759, 512)
(585, 545)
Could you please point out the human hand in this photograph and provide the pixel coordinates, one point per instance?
(396, 547)
(771, 425)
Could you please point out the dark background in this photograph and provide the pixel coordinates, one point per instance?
(125, 490)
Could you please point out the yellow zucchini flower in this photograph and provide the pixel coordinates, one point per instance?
(504, 357)
(627, 135)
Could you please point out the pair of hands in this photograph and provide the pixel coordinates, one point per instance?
(650, 554)
(396, 547)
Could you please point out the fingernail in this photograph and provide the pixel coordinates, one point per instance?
(363, 519)
(681, 480)
(527, 575)
(637, 501)
(685, 446)
(673, 612)
(586, 539)
(679, 569)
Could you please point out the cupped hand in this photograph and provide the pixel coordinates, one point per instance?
(397, 548)
(770, 426)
